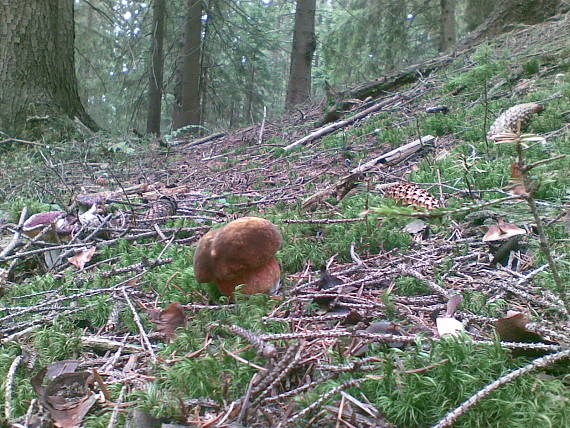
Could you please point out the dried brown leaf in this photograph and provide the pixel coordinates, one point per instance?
(80, 259)
(512, 328)
(67, 395)
(452, 304)
(502, 231)
(168, 320)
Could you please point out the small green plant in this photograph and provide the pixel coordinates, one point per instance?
(531, 67)
(121, 146)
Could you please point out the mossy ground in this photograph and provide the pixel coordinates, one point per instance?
(475, 88)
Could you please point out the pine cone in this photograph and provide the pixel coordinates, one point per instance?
(509, 120)
(165, 206)
(412, 194)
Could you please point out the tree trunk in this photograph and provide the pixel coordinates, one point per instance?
(447, 37)
(156, 68)
(206, 59)
(395, 36)
(187, 112)
(508, 13)
(37, 74)
(250, 92)
(304, 45)
(476, 11)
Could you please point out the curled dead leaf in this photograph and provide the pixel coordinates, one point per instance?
(65, 394)
(512, 328)
(452, 304)
(502, 231)
(82, 257)
(168, 320)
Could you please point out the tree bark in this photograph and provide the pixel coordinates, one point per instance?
(187, 112)
(156, 68)
(206, 59)
(476, 11)
(395, 38)
(304, 45)
(508, 13)
(447, 35)
(37, 74)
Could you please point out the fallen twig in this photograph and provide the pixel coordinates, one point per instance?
(547, 360)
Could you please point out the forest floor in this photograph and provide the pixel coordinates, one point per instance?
(373, 356)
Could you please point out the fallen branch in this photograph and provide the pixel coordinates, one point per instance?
(9, 386)
(341, 124)
(396, 155)
(199, 141)
(340, 188)
(452, 416)
(405, 76)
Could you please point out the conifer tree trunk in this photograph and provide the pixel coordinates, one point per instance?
(187, 112)
(156, 68)
(447, 35)
(206, 59)
(37, 74)
(396, 37)
(304, 45)
(476, 11)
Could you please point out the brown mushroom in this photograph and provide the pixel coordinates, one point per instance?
(502, 231)
(241, 252)
(60, 228)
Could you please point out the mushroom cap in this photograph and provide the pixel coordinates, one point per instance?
(63, 225)
(244, 244)
(203, 260)
(238, 252)
(502, 231)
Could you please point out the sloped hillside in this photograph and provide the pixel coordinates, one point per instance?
(368, 287)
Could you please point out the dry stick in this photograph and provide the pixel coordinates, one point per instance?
(314, 405)
(266, 349)
(281, 374)
(324, 220)
(547, 360)
(543, 161)
(435, 287)
(245, 402)
(110, 363)
(321, 334)
(100, 343)
(25, 327)
(341, 187)
(42, 250)
(340, 124)
(48, 304)
(395, 155)
(144, 338)
(115, 413)
(283, 366)
(544, 245)
(32, 143)
(29, 413)
(17, 234)
(9, 385)
(262, 128)
(300, 389)
(88, 238)
(200, 141)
